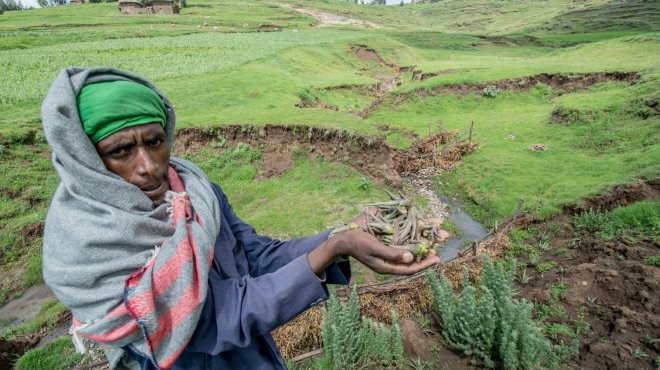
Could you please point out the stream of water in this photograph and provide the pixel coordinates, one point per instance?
(472, 230)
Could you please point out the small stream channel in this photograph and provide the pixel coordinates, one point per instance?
(472, 230)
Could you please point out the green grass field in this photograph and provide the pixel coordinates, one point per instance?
(221, 62)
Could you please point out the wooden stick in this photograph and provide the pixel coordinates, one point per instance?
(470, 136)
(520, 203)
(307, 355)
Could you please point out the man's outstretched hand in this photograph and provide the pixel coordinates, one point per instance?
(371, 252)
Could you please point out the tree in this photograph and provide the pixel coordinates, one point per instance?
(49, 3)
(8, 5)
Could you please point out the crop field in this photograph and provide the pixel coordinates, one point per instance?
(302, 111)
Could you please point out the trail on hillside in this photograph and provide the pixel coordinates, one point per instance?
(330, 19)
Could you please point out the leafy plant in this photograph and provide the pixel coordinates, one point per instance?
(490, 91)
(652, 260)
(307, 97)
(487, 322)
(364, 183)
(351, 342)
(524, 278)
(638, 353)
(546, 266)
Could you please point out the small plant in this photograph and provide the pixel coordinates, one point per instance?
(524, 278)
(489, 91)
(352, 342)
(544, 246)
(220, 142)
(556, 290)
(561, 269)
(581, 324)
(558, 251)
(591, 300)
(590, 221)
(419, 364)
(424, 324)
(533, 260)
(307, 97)
(297, 152)
(486, 321)
(638, 353)
(556, 329)
(546, 266)
(364, 183)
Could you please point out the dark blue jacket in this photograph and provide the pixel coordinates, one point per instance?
(255, 285)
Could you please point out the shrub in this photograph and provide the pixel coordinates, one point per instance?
(591, 221)
(488, 323)
(307, 97)
(641, 215)
(349, 342)
(489, 91)
(640, 218)
(542, 90)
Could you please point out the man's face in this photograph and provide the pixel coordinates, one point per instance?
(139, 155)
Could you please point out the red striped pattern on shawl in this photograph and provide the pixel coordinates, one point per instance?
(144, 313)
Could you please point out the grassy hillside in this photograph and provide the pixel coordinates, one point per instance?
(237, 62)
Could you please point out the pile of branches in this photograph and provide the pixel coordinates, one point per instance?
(441, 150)
(398, 224)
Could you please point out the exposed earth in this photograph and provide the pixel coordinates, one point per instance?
(609, 290)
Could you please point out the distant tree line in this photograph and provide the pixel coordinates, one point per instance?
(47, 3)
(7, 5)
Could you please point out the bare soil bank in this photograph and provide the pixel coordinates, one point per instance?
(369, 155)
(607, 282)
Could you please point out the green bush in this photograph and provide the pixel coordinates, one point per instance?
(307, 97)
(488, 323)
(638, 218)
(641, 215)
(489, 91)
(591, 222)
(350, 343)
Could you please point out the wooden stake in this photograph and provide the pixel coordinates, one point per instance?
(519, 208)
(470, 136)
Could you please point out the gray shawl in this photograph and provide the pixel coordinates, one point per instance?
(108, 252)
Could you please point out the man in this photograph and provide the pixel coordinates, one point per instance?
(148, 254)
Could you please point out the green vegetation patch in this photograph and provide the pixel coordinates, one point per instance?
(640, 218)
(57, 354)
(652, 260)
(487, 323)
(311, 197)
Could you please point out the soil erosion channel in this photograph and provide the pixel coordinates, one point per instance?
(471, 230)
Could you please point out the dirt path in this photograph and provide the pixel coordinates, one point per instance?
(327, 19)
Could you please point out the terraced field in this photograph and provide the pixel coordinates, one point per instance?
(301, 120)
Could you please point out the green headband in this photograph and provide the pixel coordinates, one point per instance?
(107, 107)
